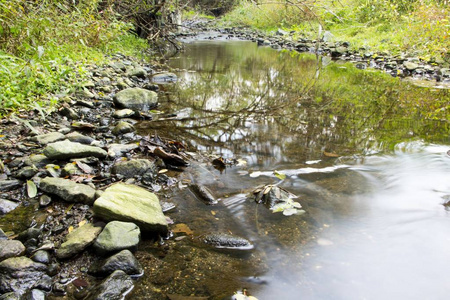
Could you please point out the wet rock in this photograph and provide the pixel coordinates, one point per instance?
(18, 274)
(164, 78)
(35, 294)
(115, 287)
(124, 113)
(78, 240)
(41, 256)
(67, 149)
(68, 190)
(124, 261)
(227, 241)
(47, 138)
(137, 71)
(134, 167)
(117, 236)
(123, 128)
(410, 66)
(6, 206)
(203, 193)
(136, 98)
(79, 138)
(37, 160)
(8, 185)
(44, 200)
(11, 248)
(27, 172)
(117, 150)
(131, 203)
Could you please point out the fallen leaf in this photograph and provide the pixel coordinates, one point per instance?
(82, 223)
(213, 213)
(70, 229)
(279, 175)
(182, 228)
(31, 189)
(329, 154)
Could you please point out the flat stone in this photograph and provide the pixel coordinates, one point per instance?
(124, 260)
(164, 78)
(18, 274)
(6, 206)
(130, 203)
(124, 113)
(79, 138)
(8, 185)
(410, 66)
(11, 248)
(27, 172)
(37, 160)
(117, 236)
(47, 138)
(67, 149)
(117, 150)
(136, 98)
(123, 128)
(137, 71)
(68, 190)
(115, 287)
(78, 240)
(133, 167)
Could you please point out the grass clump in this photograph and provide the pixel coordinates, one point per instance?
(45, 44)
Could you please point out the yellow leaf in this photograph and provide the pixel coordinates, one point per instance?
(70, 229)
(213, 213)
(82, 223)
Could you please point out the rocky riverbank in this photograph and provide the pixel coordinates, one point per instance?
(77, 188)
(398, 65)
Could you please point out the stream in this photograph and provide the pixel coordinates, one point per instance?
(365, 153)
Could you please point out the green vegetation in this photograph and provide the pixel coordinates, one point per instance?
(419, 26)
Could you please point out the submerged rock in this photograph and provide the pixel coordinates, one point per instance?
(130, 203)
(133, 167)
(164, 78)
(124, 260)
(67, 149)
(11, 248)
(136, 98)
(78, 240)
(18, 274)
(203, 193)
(117, 236)
(68, 190)
(115, 287)
(227, 241)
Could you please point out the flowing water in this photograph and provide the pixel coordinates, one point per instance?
(365, 153)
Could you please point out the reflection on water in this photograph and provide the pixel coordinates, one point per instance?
(364, 152)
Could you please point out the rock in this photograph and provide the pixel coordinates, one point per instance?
(6, 206)
(41, 256)
(70, 113)
(3, 235)
(68, 190)
(338, 51)
(131, 203)
(136, 98)
(124, 261)
(30, 233)
(78, 240)
(79, 138)
(67, 149)
(85, 93)
(124, 113)
(117, 150)
(11, 248)
(134, 167)
(137, 71)
(410, 66)
(122, 128)
(44, 200)
(164, 78)
(35, 294)
(203, 193)
(47, 138)
(27, 172)
(8, 185)
(10, 296)
(37, 160)
(115, 287)
(227, 241)
(117, 236)
(70, 169)
(18, 274)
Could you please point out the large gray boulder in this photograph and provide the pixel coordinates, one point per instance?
(18, 274)
(124, 260)
(117, 236)
(133, 167)
(67, 149)
(78, 240)
(130, 203)
(115, 287)
(136, 98)
(68, 190)
(11, 248)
